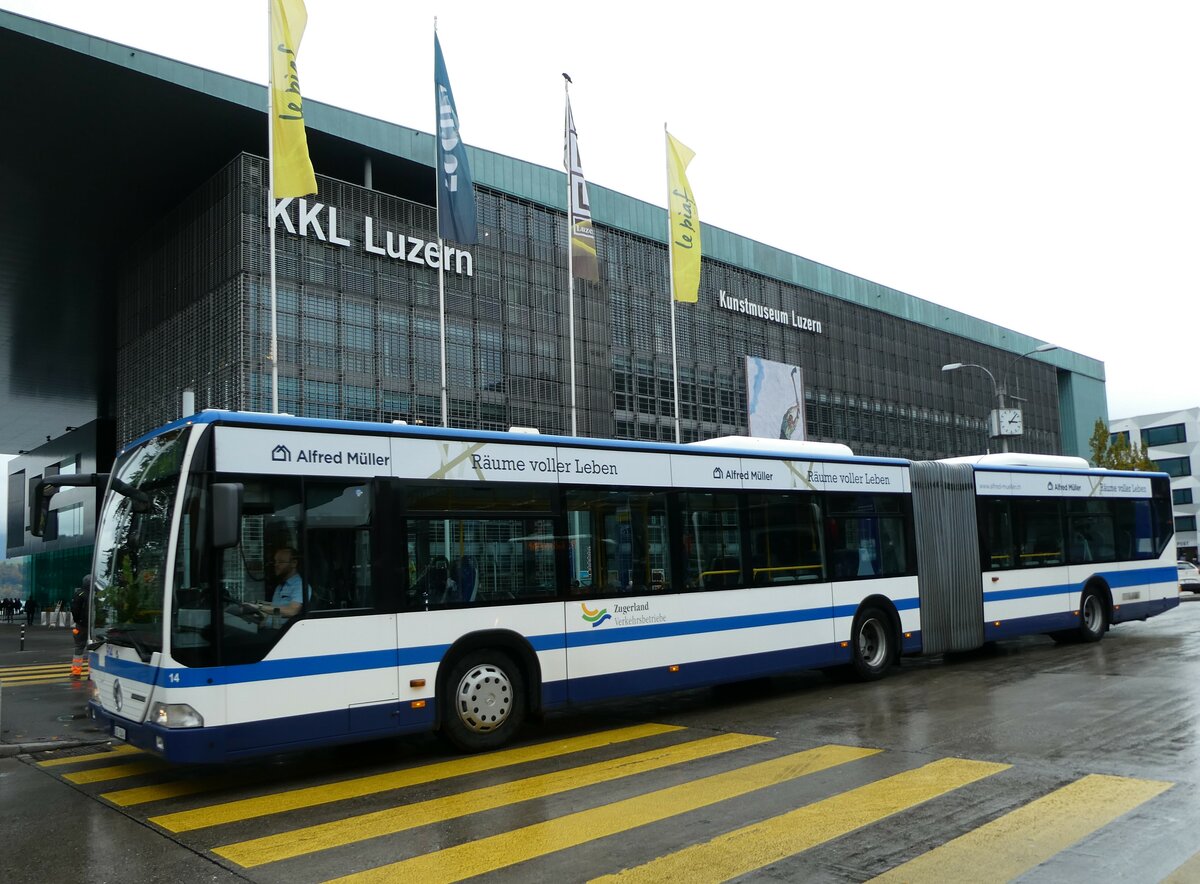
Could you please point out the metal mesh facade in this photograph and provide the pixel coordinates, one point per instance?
(358, 334)
(179, 316)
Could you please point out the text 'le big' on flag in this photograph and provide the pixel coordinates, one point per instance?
(685, 223)
(455, 187)
(291, 169)
(584, 264)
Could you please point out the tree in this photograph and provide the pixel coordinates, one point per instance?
(1117, 454)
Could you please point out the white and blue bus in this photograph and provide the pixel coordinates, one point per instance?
(462, 580)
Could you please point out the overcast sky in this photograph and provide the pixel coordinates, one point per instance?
(1030, 163)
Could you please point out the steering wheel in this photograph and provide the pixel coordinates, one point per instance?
(249, 613)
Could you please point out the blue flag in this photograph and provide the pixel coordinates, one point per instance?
(456, 190)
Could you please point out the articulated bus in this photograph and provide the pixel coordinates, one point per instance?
(264, 583)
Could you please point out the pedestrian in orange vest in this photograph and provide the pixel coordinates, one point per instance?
(79, 614)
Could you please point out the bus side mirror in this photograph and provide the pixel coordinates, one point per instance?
(47, 486)
(226, 514)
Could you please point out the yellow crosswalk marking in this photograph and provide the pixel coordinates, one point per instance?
(1188, 873)
(26, 682)
(176, 789)
(508, 848)
(397, 819)
(17, 676)
(116, 772)
(1017, 842)
(752, 847)
(36, 668)
(123, 749)
(264, 805)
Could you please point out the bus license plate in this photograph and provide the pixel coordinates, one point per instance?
(118, 732)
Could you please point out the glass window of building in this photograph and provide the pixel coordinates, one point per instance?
(70, 521)
(1163, 435)
(1175, 466)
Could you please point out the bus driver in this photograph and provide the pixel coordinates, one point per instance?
(288, 597)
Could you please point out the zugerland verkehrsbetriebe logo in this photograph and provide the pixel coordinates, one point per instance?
(595, 617)
(623, 614)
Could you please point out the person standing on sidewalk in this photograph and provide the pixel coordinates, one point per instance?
(79, 612)
(30, 610)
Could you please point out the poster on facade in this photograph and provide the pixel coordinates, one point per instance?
(774, 399)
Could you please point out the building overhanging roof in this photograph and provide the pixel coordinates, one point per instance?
(104, 139)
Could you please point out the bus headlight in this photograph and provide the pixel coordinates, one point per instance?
(175, 715)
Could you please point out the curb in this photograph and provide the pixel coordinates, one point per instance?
(9, 749)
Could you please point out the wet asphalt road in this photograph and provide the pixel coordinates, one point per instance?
(1024, 761)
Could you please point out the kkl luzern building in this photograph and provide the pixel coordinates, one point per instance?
(171, 292)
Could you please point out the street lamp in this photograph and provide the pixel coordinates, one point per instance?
(1004, 422)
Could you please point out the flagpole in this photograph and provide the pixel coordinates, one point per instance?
(671, 285)
(437, 202)
(452, 174)
(274, 354)
(570, 257)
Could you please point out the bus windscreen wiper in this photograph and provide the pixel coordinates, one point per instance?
(128, 638)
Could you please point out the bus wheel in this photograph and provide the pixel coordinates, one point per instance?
(484, 701)
(1093, 616)
(873, 643)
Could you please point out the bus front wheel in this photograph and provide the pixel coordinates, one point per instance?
(484, 701)
(873, 643)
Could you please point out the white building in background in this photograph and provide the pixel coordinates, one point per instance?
(1172, 439)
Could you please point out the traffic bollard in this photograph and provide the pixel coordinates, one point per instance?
(22, 638)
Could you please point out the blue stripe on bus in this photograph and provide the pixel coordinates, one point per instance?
(1070, 620)
(131, 669)
(296, 667)
(1031, 592)
(1140, 577)
(267, 670)
(656, 679)
(226, 742)
(1018, 627)
(1115, 580)
(326, 664)
(718, 624)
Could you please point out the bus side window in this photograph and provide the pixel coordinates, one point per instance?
(619, 541)
(1092, 534)
(1134, 524)
(867, 536)
(785, 540)
(272, 520)
(1040, 524)
(338, 540)
(712, 539)
(456, 561)
(997, 535)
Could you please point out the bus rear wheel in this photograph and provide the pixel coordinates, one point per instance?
(1093, 616)
(873, 644)
(484, 701)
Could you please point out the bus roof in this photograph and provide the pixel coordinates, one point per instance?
(1019, 462)
(743, 446)
(734, 445)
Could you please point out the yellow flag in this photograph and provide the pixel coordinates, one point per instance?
(685, 223)
(292, 171)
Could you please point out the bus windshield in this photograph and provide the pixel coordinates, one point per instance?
(131, 546)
